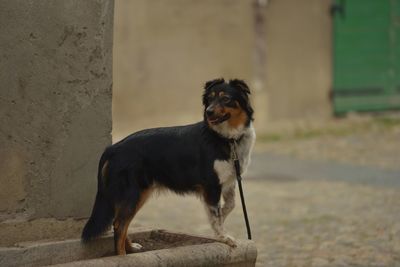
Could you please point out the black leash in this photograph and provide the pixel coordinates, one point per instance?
(239, 180)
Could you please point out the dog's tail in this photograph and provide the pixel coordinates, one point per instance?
(103, 210)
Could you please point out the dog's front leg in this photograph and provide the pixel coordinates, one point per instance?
(215, 215)
(228, 194)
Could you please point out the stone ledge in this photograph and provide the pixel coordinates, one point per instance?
(161, 248)
(22, 230)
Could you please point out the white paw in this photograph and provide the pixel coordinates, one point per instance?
(136, 246)
(230, 241)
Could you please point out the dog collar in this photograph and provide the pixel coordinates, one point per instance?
(235, 141)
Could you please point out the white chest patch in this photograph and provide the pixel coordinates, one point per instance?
(225, 169)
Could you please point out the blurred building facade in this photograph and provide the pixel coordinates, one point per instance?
(164, 51)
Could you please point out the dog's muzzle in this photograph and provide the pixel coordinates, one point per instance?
(217, 119)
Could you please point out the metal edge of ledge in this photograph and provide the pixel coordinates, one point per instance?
(208, 254)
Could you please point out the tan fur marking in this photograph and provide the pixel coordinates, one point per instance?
(121, 250)
(122, 221)
(119, 225)
(238, 116)
(116, 222)
(143, 198)
(104, 169)
(122, 240)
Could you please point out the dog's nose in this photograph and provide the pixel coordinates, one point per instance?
(210, 111)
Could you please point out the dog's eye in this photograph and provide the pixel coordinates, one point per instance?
(226, 99)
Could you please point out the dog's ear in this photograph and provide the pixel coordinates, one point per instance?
(244, 90)
(208, 86)
(240, 85)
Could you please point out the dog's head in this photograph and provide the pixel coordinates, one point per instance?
(227, 108)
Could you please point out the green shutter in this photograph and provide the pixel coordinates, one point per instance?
(366, 55)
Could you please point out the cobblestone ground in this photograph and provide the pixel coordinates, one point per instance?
(366, 141)
(301, 222)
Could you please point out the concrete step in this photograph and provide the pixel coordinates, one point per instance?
(160, 248)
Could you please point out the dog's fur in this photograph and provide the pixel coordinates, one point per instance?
(185, 159)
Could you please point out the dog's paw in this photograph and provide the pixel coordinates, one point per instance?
(133, 247)
(136, 246)
(229, 240)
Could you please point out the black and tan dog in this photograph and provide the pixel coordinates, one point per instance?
(196, 158)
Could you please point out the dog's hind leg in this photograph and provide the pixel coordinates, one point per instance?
(125, 214)
(123, 217)
(134, 247)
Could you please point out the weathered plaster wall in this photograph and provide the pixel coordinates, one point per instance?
(55, 105)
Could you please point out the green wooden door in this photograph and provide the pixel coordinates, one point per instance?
(366, 55)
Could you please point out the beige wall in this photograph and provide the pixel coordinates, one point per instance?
(298, 71)
(164, 51)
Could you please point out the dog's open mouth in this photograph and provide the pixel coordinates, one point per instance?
(218, 119)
